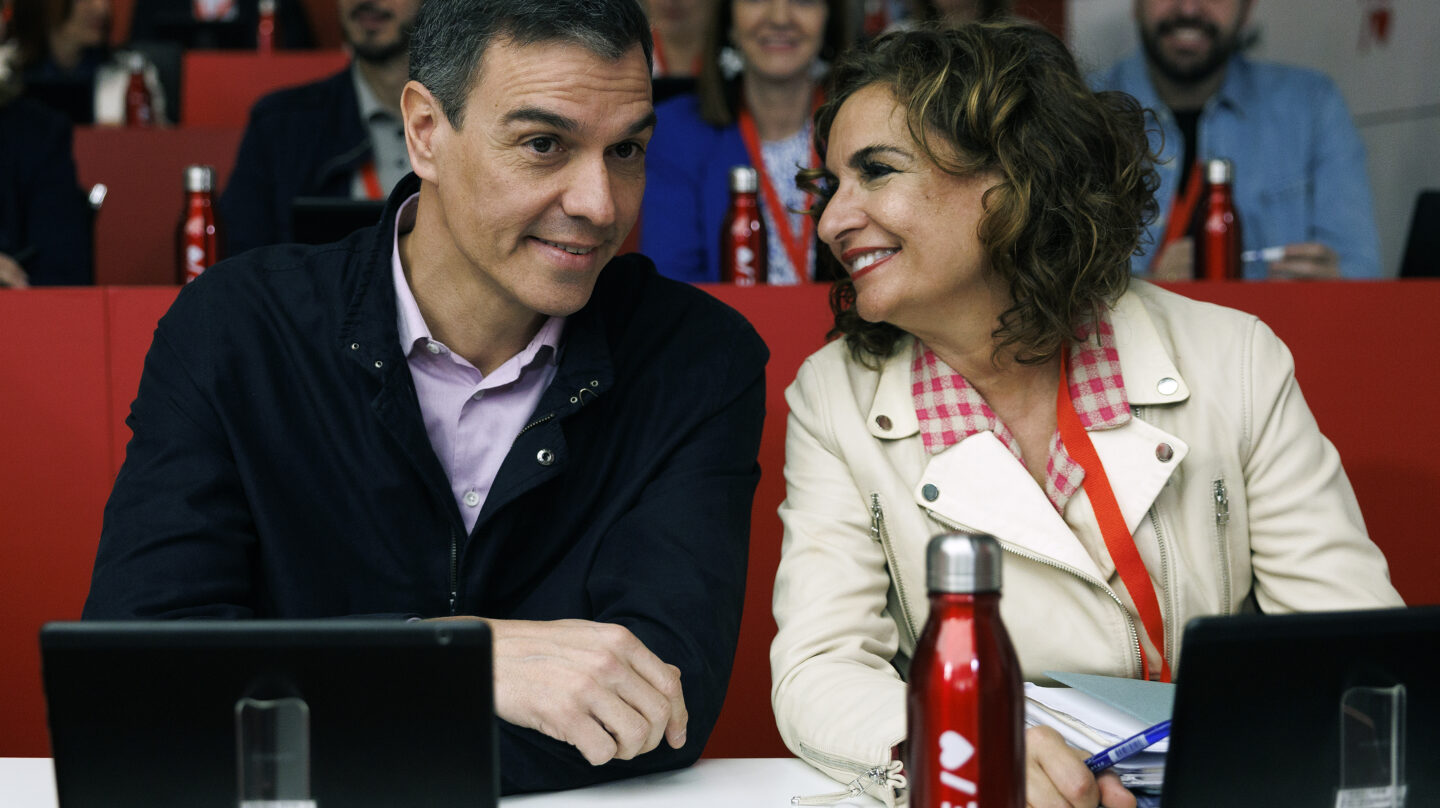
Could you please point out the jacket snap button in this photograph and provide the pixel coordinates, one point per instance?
(930, 493)
(1167, 386)
(545, 457)
(1163, 453)
(883, 421)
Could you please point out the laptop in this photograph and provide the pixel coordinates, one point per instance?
(323, 219)
(1264, 705)
(176, 714)
(1422, 247)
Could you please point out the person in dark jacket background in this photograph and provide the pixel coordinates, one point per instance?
(457, 414)
(337, 137)
(45, 228)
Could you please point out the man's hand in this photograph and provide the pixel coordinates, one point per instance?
(1176, 262)
(11, 274)
(592, 685)
(1307, 261)
(1056, 776)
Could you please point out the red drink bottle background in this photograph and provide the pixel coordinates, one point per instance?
(198, 235)
(139, 106)
(265, 29)
(966, 742)
(743, 248)
(1218, 241)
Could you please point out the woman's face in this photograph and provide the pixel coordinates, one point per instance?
(780, 39)
(905, 230)
(87, 24)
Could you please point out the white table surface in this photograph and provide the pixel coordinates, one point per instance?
(711, 783)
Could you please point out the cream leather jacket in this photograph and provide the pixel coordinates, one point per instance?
(1247, 507)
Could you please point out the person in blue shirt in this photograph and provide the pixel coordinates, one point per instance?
(1299, 164)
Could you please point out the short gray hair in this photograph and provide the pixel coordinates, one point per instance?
(451, 37)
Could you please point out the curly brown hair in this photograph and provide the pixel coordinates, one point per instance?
(1077, 182)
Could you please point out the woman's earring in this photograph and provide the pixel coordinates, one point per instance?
(819, 69)
(732, 62)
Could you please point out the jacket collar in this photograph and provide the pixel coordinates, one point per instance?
(977, 484)
(1150, 375)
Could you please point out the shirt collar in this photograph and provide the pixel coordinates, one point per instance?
(365, 97)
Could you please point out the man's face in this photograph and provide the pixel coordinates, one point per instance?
(1188, 40)
(541, 183)
(378, 30)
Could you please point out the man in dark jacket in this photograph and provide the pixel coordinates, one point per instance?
(457, 414)
(337, 137)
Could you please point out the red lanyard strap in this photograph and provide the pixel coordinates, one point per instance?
(796, 246)
(371, 178)
(1118, 540)
(1182, 210)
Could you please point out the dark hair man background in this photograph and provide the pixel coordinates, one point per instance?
(339, 137)
(458, 414)
(1300, 180)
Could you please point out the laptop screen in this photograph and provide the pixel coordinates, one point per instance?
(169, 714)
(1288, 710)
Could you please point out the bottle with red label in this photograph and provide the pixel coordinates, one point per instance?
(966, 711)
(198, 234)
(743, 248)
(265, 29)
(139, 105)
(1217, 237)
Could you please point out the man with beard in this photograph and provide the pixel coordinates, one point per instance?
(338, 137)
(1299, 165)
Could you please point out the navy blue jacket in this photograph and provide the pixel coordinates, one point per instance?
(302, 141)
(42, 210)
(280, 468)
(687, 190)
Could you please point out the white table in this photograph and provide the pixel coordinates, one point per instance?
(711, 783)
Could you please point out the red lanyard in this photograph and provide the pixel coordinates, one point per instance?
(796, 246)
(1118, 540)
(371, 178)
(1182, 209)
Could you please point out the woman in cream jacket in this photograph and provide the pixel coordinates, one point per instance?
(985, 204)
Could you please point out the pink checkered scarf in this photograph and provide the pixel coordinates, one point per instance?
(950, 410)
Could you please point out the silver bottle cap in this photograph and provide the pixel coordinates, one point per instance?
(1219, 172)
(199, 178)
(963, 562)
(743, 180)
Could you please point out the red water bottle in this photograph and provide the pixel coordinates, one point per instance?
(198, 236)
(966, 738)
(743, 248)
(265, 29)
(1217, 242)
(139, 106)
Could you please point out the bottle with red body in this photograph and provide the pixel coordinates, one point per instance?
(265, 30)
(139, 106)
(1217, 239)
(198, 235)
(743, 249)
(966, 741)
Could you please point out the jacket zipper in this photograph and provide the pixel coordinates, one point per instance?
(535, 423)
(1167, 615)
(879, 534)
(867, 777)
(1222, 539)
(1026, 554)
(454, 573)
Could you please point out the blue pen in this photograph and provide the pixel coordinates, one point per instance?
(1101, 761)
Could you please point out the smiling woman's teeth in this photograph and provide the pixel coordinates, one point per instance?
(571, 250)
(869, 258)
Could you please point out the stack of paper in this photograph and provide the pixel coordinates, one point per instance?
(1096, 712)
